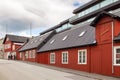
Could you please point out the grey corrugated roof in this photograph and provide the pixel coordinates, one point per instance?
(15, 38)
(36, 41)
(73, 39)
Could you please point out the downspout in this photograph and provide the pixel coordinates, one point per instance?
(112, 46)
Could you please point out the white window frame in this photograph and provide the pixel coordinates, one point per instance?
(20, 55)
(63, 58)
(26, 55)
(13, 47)
(33, 53)
(52, 61)
(30, 54)
(115, 48)
(82, 56)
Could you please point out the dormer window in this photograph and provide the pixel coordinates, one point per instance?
(65, 38)
(52, 41)
(82, 33)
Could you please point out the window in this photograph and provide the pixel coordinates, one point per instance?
(7, 46)
(13, 47)
(65, 57)
(26, 54)
(82, 33)
(105, 3)
(82, 56)
(65, 38)
(33, 54)
(52, 58)
(30, 54)
(117, 55)
(20, 54)
(52, 41)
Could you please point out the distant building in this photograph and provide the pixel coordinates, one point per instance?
(11, 45)
(1, 48)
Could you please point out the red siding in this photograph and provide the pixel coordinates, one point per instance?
(44, 58)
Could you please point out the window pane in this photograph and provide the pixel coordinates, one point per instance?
(118, 61)
(106, 2)
(118, 50)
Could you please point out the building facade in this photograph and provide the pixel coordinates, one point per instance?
(11, 45)
(28, 52)
(1, 49)
(89, 41)
(92, 44)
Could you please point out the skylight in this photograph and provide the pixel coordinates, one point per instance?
(65, 38)
(52, 41)
(82, 33)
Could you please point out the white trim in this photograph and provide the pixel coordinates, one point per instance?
(82, 56)
(67, 57)
(115, 47)
(51, 58)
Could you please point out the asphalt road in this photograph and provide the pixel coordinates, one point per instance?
(13, 70)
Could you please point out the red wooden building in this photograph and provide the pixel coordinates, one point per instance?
(29, 50)
(93, 48)
(11, 45)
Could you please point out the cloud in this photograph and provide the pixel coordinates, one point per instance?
(18, 15)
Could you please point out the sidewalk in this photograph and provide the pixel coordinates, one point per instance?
(81, 73)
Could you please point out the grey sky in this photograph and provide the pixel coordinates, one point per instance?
(17, 15)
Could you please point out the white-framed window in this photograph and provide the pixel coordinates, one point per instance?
(13, 47)
(52, 58)
(7, 46)
(117, 55)
(65, 57)
(82, 56)
(33, 53)
(30, 54)
(26, 54)
(20, 54)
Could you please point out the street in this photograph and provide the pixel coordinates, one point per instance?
(13, 70)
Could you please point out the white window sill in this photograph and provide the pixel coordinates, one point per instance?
(82, 63)
(64, 63)
(116, 64)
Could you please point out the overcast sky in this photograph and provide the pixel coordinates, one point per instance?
(16, 16)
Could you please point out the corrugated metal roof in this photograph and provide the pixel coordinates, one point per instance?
(72, 38)
(36, 41)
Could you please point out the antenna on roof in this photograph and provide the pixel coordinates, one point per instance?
(6, 28)
(30, 29)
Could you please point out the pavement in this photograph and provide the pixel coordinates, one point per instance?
(18, 70)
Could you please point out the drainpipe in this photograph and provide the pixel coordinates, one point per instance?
(112, 46)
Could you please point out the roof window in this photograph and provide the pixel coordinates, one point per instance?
(52, 41)
(82, 33)
(65, 38)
